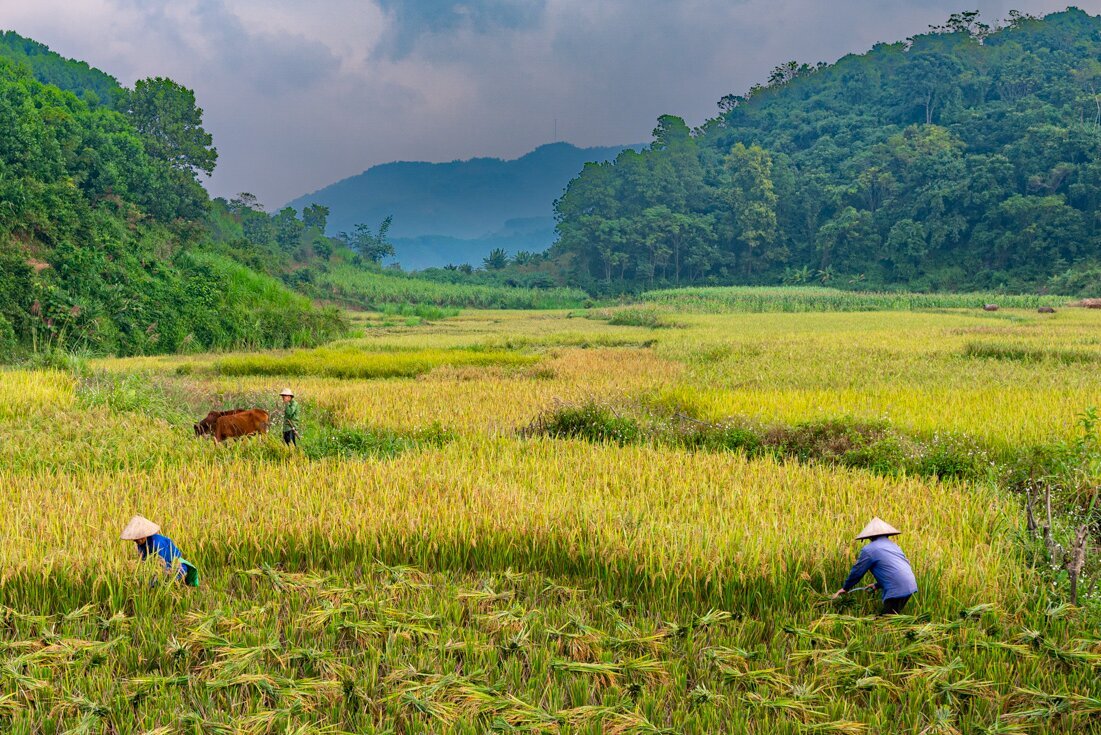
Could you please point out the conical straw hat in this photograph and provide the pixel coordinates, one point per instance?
(877, 527)
(287, 392)
(138, 528)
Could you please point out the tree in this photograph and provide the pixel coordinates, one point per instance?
(245, 202)
(966, 22)
(322, 248)
(288, 229)
(316, 216)
(371, 245)
(896, 167)
(496, 260)
(171, 124)
(752, 199)
(905, 249)
(929, 79)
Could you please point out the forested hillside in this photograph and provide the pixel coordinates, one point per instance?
(967, 157)
(104, 242)
(90, 84)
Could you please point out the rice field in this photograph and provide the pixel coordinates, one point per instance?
(488, 579)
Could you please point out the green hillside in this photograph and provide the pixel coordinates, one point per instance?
(965, 158)
(87, 82)
(103, 222)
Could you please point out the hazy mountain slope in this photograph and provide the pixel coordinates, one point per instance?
(457, 211)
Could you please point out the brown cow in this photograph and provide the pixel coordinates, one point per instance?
(206, 426)
(245, 423)
(1046, 310)
(989, 307)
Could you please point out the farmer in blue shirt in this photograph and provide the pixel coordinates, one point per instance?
(888, 565)
(146, 534)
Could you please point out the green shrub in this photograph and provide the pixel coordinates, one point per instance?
(591, 422)
(357, 442)
(8, 342)
(638, 318)
(132, 393)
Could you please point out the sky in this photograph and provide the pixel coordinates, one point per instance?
(301, 93)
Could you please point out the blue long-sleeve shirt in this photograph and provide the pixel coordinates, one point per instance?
(164, 547)
(888, 565)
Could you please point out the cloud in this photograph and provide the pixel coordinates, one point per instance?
(300, 94)
(412, 20)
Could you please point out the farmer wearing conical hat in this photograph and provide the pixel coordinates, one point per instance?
(146, 534)
(290, 417)
(885, 560)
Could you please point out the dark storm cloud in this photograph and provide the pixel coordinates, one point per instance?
(299, 94)
(414, 19)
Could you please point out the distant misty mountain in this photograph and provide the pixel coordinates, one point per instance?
(457, 212)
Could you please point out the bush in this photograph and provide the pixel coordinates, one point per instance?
(353, 442)
(638, 318)
(8, 342)
(591, 422)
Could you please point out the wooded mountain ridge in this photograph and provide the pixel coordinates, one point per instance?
(967, 157)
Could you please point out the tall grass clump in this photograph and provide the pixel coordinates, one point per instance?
(233, 307)
(357, 442)
(632, 317)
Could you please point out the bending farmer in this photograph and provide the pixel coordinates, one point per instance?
(888, 565)
(290, 417)
(146, 534)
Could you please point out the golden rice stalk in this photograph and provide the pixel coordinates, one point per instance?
(835, 727)
(772, 678)
(788, 706)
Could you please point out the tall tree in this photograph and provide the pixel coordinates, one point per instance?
(752, 200)
(371, 245)
(171, 123)
(316, 216)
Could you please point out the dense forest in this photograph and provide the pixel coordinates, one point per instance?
(105, 236)
(968, 157)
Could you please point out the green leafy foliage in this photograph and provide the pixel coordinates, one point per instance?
(964, 158)
(90, 84)
(101, 224)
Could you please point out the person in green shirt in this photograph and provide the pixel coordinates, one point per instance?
(290, 417)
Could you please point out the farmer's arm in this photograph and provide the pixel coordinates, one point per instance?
(863, 564)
